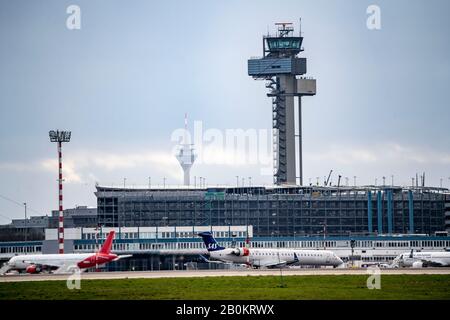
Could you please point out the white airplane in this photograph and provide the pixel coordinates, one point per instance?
(63, 263)
(268, 258)
(422, 259)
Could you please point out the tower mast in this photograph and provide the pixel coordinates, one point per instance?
(59, 137)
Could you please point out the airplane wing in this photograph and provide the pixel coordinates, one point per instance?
(49, 263)
(433, 263)
(67, 269)
(123, 257)
(61, 266)
(279, 264)
(213, 261)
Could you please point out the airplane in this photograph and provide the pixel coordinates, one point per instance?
(267, 258)
(422, 259)
(63, 263)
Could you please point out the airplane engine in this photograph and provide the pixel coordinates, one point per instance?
(241, 252)
(417, 264)
(32, 269)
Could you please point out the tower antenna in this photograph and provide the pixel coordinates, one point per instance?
(300, 27)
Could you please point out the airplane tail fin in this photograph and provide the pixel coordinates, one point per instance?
(106, 248)
(210, 243)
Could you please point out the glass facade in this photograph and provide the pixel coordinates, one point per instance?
(278, 211)
(284, 43)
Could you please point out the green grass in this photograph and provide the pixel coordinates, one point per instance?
(253, 288)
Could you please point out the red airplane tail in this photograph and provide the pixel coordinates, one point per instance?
(106, 248)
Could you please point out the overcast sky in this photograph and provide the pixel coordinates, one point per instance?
(123, 82)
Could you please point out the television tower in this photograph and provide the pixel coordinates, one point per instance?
(186, 155)
(60, 137)
(280, 67)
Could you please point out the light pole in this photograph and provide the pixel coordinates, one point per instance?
(59, 137)
(354, 181)
(392, 178)
(26, 222)
(352, 245)
(237, 181)
(149, 182)
(124, 182)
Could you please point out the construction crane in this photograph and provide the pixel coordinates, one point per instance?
(328, 179)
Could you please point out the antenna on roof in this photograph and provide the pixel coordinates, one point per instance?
(300, 27)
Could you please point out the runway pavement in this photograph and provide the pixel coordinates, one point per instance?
(216, 273)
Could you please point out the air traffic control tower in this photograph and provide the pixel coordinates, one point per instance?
(280, 67)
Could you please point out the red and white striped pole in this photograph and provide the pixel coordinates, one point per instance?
(61, 211)
(60, 137)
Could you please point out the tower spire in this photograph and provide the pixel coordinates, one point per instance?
(186, 155)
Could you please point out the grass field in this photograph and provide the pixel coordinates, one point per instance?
(252, 288)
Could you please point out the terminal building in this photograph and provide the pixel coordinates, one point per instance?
(280, 211)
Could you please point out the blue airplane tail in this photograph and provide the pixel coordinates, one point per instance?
(210, 243)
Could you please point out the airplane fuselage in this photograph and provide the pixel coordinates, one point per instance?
(80, 260)
(269, 257)
(63, 263)
(426, 258)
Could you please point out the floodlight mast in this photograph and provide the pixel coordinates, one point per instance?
(60, 137)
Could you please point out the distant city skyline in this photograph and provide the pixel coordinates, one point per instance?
(123, 82)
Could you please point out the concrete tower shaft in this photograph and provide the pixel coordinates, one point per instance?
(280, 66)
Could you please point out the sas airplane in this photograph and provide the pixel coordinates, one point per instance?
(63, 263)
(422, 259)
(268, 258)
